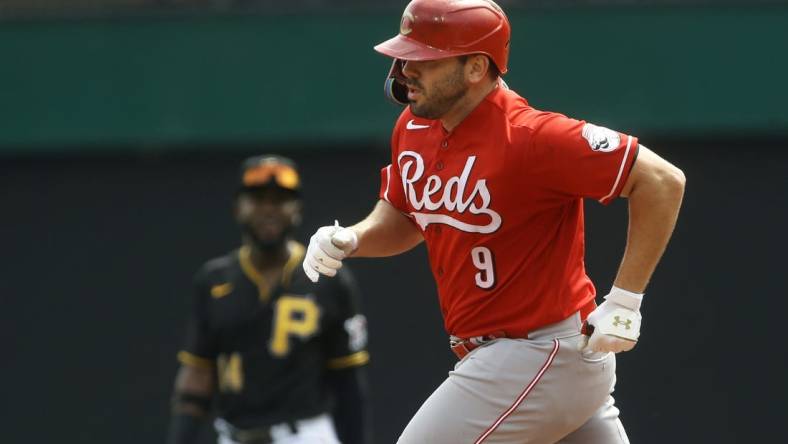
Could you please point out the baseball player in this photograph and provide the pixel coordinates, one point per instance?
(269, 350)
(495, 189)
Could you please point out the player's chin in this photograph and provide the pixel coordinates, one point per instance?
(271, 237)
(419, 110)
(269, 234)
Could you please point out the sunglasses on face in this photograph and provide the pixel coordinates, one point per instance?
(284, 175)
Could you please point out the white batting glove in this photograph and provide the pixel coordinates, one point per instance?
(327, 247)
(616, 322)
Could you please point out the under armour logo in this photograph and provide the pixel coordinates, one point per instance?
(618, 322)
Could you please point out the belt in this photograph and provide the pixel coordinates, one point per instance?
(462, 347)
(257, 435)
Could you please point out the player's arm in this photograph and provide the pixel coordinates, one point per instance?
(351, 407)
(194, 386)
(195, 380)
(347, 357)
(654, 189)
(573, 158)
(384, 232)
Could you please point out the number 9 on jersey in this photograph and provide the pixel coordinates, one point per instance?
(483, 260)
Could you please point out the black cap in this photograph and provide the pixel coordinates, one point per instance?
(270, 170)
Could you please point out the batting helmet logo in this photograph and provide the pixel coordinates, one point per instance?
(406, 25)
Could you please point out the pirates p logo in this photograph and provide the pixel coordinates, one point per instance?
(406, 25)
(618, 322)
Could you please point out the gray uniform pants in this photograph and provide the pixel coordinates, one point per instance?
(539, 390)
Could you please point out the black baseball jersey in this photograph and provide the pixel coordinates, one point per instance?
(271, 349)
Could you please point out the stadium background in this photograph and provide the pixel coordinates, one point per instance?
(122, 123)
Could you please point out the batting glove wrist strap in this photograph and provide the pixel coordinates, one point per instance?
(625, 298)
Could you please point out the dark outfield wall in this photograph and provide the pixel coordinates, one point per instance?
(98, 256)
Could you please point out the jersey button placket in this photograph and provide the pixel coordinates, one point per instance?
(444, 146)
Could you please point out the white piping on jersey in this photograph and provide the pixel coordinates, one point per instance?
(620, 170)
(388, 182)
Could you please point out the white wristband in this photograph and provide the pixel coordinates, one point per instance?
(625, 297)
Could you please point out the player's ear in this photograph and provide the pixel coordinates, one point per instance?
(476, 67)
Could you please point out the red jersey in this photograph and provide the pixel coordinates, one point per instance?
(499, 203)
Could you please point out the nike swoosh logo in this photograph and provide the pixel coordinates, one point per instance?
(413, 126)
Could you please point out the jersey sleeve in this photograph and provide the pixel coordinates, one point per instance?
(346, 338)
(201, 346)
(579, 159)
(391, 189)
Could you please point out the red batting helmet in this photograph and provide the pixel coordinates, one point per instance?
(436, 29)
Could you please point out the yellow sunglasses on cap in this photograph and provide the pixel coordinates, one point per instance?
(284, 175)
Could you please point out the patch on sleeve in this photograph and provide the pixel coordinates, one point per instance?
(601, 138)
(356, 328)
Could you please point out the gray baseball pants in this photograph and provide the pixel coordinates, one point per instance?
(540, 390)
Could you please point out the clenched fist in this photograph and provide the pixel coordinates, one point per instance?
(327, 248)
(616, 322)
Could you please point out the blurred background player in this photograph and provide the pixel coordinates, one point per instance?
(267, 350)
